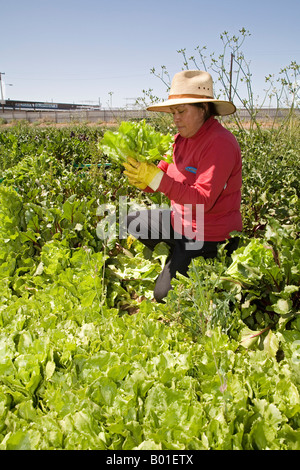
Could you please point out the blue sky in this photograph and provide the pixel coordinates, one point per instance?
(86, 50)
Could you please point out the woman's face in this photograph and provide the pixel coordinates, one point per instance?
(188, 119)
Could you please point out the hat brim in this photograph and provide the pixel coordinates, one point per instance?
(223, 108)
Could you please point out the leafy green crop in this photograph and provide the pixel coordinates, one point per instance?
(138, 140)
(89, 361)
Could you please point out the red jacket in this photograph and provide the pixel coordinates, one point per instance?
(207, 170)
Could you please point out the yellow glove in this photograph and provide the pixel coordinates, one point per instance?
(142, 174)
(137, 184)
(131, 173)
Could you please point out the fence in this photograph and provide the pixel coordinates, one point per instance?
(112, 115)
(82, 115)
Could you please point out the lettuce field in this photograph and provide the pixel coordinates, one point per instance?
(89, 361)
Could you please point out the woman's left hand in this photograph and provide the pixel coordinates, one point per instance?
(142, 174)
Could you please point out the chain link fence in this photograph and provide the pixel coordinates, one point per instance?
(115, 115)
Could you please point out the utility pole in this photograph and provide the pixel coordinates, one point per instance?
(2, 97)
(111, 93)
(230, 76)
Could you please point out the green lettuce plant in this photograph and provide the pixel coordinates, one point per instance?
(138, 140)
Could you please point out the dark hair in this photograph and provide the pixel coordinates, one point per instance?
(210, 111)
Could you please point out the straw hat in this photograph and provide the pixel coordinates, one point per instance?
(193, 86)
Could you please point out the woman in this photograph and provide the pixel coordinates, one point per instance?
(203, 182)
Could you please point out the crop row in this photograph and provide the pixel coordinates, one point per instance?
(89, 361)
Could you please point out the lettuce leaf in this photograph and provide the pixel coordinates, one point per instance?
(138, 140)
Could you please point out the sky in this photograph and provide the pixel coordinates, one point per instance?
(98, 51)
